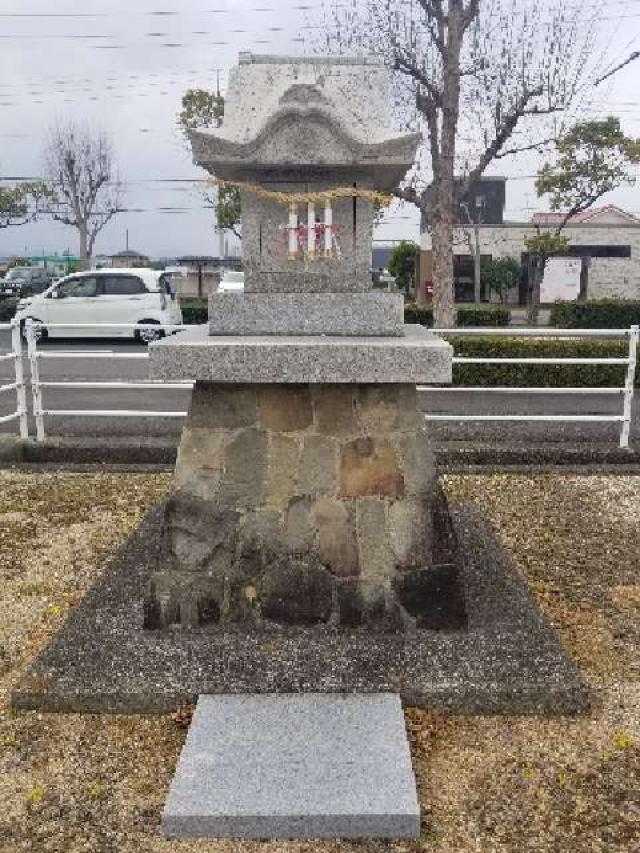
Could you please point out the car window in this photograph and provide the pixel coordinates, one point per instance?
(165, 284)
(17, 272)
(76, 287)
(122, 285)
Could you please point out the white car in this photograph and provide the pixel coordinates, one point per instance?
(231, 282)
(107, 296)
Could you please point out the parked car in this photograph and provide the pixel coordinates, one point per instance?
(231, 282)
(135, 296)
(25, 281)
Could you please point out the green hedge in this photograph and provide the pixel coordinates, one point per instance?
(596, 314)
(540, 375)
(7, 309)
(481, 315)
(194, 311)
(484, 315)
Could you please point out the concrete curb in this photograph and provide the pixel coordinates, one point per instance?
(131, 455)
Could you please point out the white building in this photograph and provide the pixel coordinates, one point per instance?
(608, 235)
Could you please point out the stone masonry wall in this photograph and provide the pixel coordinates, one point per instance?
(297, 504)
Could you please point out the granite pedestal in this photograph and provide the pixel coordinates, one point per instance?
(283, 766)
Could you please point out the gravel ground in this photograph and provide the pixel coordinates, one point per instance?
(85, 783)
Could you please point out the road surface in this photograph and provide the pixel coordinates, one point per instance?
(105, 369)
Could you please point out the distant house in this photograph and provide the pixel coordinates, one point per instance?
(608, 236)
(200, 274)
(380, 256)
(128, 258)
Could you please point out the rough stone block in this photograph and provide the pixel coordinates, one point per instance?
(410, 531)
(284, 452)
(200, 462)
(245, 468)
(296, 592)
(219, 406)
(360, 603)
(199, 533)
(387, 408)
(261, 529)
(298, 527)
(377, 560)
(318, 468)
(334, 410)
(285, 408)
(306, 766)
(337, 542)
(418, 462)
(183, 598)
(370, 467)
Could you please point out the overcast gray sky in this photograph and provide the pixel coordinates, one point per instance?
(122, 66)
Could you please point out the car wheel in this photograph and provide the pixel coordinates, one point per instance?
(39, 333)
(149, 335)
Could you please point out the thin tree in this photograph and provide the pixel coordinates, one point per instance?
(476, 76)
(21, 203)
(80, 167)
(592, 158)
(202, 108)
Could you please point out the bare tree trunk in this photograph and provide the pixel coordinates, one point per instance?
(477, 285)
(536, 274)
(444, 315)
(443, 302)
(84, 248)
(585, 263)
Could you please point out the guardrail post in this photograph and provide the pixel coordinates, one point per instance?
(36, 393)
(629, 385)
(21, 391)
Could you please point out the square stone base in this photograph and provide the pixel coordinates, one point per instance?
(344, 314)
(307, 766)
(417, 356)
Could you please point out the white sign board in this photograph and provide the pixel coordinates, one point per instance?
(561, 279)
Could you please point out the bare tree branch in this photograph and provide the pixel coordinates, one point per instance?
(86, 192)
(631, 58)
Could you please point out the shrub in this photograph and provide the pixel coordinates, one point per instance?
(472, 315)
(483, 315)
(418, 313)
(194, 311)
(596, 314)
(540, 375)
(500, 275)
(7, 309)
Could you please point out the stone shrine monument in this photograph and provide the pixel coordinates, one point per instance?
(306, 530)
(305, 484)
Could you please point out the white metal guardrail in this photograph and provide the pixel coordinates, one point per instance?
(40, 412)
(627, 391)
(36, 356)
(15, 356)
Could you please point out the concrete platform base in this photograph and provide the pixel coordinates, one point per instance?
(508, 660)
(306, 766)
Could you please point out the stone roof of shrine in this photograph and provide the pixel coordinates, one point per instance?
(328, 111)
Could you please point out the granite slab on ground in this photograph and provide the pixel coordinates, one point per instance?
(508, 659)
(294, 766)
